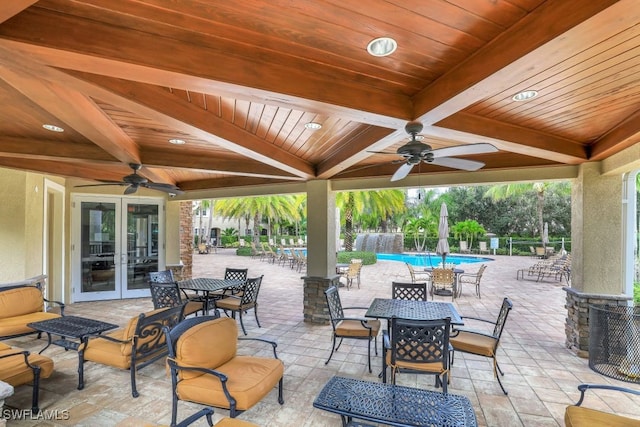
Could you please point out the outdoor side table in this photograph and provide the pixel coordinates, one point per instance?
(394, 405)
(68, 327)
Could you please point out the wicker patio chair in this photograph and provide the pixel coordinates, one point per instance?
(443, 282)
(418, 276)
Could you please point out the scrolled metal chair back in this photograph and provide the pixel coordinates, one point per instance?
(251, 290)
(165, 276)
(420, 341)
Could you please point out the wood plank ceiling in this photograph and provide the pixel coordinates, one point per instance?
(238, 81)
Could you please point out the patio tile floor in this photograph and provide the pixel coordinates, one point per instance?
(541, 375)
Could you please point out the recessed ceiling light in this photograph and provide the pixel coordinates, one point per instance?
(525, 95)
(53, 128)
(313, 125)
(382, 46)
(177, 141)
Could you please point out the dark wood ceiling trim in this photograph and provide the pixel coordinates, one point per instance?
(225, 182)
(483, 74)
(513, 138)
(207, 163)
(152, 59)
(622, 136)
(161, 105)
(10, 8)
(53, 150)
(86, 170)
(372, 139)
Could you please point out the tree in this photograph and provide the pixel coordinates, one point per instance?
(382, 203)
(421, 228)
(468, 230)
(270, 207)
(499, 192)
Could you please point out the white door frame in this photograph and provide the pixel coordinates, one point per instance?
(120, 251)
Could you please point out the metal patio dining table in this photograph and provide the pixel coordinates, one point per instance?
(386, 308)
(206, 285)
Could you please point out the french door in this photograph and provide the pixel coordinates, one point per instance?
(117, 241)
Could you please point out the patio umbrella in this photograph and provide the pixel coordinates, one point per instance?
(545, 234)
(443, 233)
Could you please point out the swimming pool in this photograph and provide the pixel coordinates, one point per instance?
(432, 260)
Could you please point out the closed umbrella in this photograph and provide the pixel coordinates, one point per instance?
(443, 233)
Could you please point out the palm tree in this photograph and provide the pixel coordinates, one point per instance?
(270, 207)
(503, 191)
(383, 203)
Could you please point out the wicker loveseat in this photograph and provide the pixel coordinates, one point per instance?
(580, 416)
(20, 304)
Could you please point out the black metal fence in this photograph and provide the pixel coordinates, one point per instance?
(614, 341)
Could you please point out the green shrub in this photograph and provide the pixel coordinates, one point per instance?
(636, 293)
(368, 258)
(243, 251)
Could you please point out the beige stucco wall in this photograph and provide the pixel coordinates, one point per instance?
(596, 232)
(172, 219)
(21, 222)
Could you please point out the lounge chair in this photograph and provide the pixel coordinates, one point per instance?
(482, 248)
(464, 248)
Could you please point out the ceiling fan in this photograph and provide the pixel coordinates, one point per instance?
(415, 152)
(134, 181)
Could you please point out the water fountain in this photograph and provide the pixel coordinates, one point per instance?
(386, 243)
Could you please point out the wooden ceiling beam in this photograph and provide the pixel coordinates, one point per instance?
(504, 136)
(10, 8)
(621, 137)
(522, 50)
(153, 60)
(214, 164)
(86, 170)
(159, 104)
(226, 182)
(53, 150)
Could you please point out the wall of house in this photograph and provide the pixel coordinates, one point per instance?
(21, 224)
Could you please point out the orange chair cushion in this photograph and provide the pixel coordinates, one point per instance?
(232, 304)
(578, 416)
(17, 325)
(234, 422)
(249, 380)
(207, 345)
(354, 328)
(435, 367)
(213, 345)
(21, 300)
(474, 343)
(14, 371)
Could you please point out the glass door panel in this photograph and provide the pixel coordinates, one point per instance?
(117, 241)
(99, 254)
(142, 246)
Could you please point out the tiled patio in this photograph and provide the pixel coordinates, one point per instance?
(541, 375)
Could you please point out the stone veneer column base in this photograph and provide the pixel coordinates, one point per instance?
(6, 390)
(315, 303)
(577, 322)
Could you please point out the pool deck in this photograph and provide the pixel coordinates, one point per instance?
(541, 374)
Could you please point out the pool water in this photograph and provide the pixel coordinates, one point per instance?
(432, 260)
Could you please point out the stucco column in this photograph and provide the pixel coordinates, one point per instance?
(597, 275)
(321, 250)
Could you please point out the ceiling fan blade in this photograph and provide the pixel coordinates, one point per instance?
(461, 150)
(167, 188)
(102, 184)
(131, 189)
(402, 172)
(455, 163)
